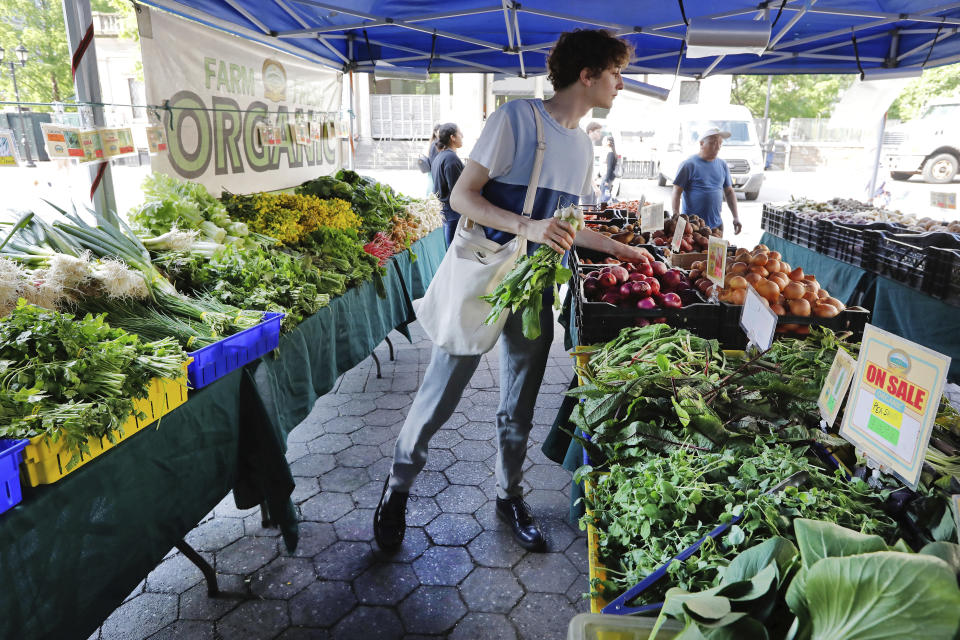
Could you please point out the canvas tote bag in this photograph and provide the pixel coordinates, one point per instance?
(451, 312)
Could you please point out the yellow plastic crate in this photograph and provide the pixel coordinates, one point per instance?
(596, 568)
(45, 461)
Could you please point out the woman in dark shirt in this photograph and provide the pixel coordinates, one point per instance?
(446, 169)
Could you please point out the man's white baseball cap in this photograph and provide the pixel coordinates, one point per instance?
(713, 132)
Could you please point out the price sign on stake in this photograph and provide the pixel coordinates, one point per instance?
(893, 402)
(678, 234)
(651, 217)
(716, 260)
(757, 320)
(835, 386)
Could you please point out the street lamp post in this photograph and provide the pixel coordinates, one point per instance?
(21, 52)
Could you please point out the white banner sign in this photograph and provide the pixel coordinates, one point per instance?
(216, 88)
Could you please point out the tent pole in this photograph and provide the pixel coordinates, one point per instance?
(79, 22)
(352, 150)
(876, 159)
(766, 112)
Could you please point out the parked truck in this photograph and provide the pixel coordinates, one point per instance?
(928, 145)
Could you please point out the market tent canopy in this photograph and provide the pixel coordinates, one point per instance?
(509, 37)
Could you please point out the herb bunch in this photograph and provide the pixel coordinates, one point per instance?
(649, 512)
(74, 378)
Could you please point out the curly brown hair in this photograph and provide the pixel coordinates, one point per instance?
(592, 49)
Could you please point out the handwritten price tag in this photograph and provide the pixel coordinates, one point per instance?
(716, 260)
(678, 234)
(835, 386)
(757, 320)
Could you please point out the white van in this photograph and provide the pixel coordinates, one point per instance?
(678, 134)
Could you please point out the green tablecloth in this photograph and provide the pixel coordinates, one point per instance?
(845, 282)
(73, 550)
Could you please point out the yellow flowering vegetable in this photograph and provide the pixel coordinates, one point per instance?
(291, 217)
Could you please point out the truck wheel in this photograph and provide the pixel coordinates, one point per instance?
(661, 180)
(751, 195)
(940, 169)
(900, 176)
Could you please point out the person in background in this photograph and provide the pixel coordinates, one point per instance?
(428, 159)
(610, 167)
(595, 132)
(445, 169)
(704, 182)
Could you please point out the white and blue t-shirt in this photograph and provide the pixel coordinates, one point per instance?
(507, 147)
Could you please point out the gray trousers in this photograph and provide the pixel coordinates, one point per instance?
(522, 363)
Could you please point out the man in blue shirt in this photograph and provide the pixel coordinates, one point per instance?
(704, 182)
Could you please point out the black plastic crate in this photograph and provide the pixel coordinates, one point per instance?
(849, 243)
(731, 336)
(804, 231)
(599, 322)
(943, 277)
(902, 257)
(776, 220)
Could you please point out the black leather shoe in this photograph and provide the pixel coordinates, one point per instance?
(390, 519)
(525, 528)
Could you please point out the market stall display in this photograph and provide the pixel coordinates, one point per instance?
(695, 454)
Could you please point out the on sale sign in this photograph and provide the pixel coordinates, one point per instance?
(893, 401)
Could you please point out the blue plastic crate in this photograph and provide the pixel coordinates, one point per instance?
(10, 452)
(220, 358)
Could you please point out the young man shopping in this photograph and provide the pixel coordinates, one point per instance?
(584, 68)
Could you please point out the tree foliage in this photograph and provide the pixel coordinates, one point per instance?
(39, 26)
(791, 96)
(941, 81)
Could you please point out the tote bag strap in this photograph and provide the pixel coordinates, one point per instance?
(537, 164)
(535, 173)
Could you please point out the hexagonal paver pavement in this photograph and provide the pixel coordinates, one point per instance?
(343, 560)
(373, 436)
(491, 590)
(329, 443)
(443, 566)
(343, 424)
(326, 507)
(473, 450)
(429, 483)
(141, 616)
(175, 575)
(438, 460)
(385, 417)
(460, 498)
(345, 479)
(453, 529)
(476, 626)
(496, 549)
(370, 622)
(313, 465)
(386, 583)
(359, 455)
(356, 525)
(314, 538)
(542, 476)
(255, 619)
(467, 472)
(485, 431)
(432, 610)
(546, 572)
(283, 578)
(531, 621)
(246, 555)
(215, 534)
(322, 604)
(421, 511)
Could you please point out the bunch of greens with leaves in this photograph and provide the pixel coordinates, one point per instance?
(74, 378)
(326, 187)
(340, 251)
(177, 204)
(263, 278)
(656, 388)
(832, 584)
(288, 217)
(377, 204)
(523, 288)
(648, 513)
